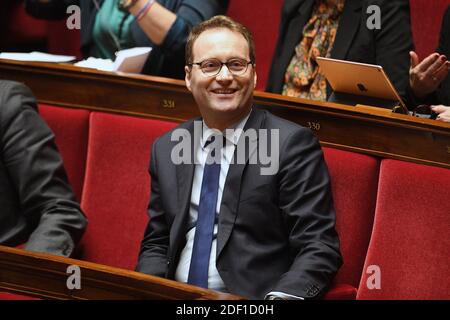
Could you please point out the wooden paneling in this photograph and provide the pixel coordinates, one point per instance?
(45, 276)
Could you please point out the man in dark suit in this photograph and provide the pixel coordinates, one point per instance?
(356, 39)
(429, 79)
(37, 205)
(231, 225)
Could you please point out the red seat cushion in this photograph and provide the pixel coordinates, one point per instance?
(354, 180)
(410, 240)
(341, 292)
(71, 128)
(117, 186)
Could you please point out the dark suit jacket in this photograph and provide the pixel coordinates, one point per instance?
(165, 60)
(37, 205)
(276, 232)
(388, 47)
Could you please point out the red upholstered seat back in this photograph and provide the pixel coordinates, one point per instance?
(354, 179)
(22, 28)
(410, 240)
(263, 19)
(71, 128)
(62, 40)
(426, 19)
(117, 186)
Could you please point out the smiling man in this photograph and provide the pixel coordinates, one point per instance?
(218, 222)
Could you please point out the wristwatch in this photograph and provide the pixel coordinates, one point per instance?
(125, 5)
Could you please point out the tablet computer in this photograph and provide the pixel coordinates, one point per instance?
(359, 83)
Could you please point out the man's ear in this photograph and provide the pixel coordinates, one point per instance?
(255, 78)
(187, 77)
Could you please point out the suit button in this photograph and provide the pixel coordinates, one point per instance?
(168, 262)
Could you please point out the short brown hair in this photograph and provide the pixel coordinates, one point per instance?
(215, 23)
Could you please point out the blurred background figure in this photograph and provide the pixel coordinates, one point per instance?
(108, 26)
(338, 29)
(38, 206)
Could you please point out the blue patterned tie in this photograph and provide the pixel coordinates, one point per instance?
(198, 271)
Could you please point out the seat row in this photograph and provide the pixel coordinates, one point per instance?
(393, 217)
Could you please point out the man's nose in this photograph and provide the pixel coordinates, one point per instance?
(224, 74)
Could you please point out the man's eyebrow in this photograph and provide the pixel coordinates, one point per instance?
(228, 59)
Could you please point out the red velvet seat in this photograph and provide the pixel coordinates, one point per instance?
(354, 180)
(12, 296)
(410, 239)
(117, 186)
(71, 128)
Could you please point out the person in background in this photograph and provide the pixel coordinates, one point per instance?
(429, 79)
(37, 204)
(339, 29)
(219, 220)
(108, 26)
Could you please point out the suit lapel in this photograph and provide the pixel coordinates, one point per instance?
(232, 188)
(185, 176)
(348, 26)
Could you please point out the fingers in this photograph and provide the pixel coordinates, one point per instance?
(427, 62)
(442, 72)
(443, 112)
(435, 66)
(445, 117)
(440, 109)
(414, 59)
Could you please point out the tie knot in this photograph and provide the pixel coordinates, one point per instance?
(214, 145)
(215, 140)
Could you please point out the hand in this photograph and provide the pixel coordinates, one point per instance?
(443, 112)
(425, 77)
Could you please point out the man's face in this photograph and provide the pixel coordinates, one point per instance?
(224, 95)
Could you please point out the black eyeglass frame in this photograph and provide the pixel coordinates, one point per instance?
(221, 66)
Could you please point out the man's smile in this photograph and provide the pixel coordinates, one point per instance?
(224, 91)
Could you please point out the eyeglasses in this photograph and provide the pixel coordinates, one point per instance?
(212, 67)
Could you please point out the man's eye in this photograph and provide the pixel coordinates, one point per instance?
(209, 65)
(236, 64)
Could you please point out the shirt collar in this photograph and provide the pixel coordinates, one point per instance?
(232, 134)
